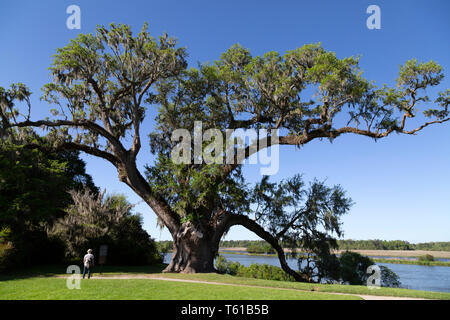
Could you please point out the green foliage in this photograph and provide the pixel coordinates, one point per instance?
(260, 247)
(163, 247)
(240, 90)
(34, 185)
(427, 257)
(354, 268)
(433, 246)
(237, 243)
(257, 271)
(98, 73)
(303, 217)
(374, 245)
(263, 271)
(6, 248)
(294, 213)
(389, 278)
(191, 191)
(33, 194)
(94, 220)
(227, 267)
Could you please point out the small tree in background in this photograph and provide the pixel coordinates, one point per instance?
(389, 278)
(426, 258)
(353, 268)
(93, 220)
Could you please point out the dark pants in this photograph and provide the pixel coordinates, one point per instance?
(88, 271)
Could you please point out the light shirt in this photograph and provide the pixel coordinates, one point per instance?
(89, 257)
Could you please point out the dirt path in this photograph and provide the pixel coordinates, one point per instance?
(157, 277)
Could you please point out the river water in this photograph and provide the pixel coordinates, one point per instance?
(428, 278)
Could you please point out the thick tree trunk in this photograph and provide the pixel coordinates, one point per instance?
(196, 246)
(194, 250)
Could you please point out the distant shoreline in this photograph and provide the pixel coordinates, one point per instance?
(376, 253)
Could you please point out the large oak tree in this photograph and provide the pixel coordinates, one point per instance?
(104, 83)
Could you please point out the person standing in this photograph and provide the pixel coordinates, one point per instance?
(88, 262)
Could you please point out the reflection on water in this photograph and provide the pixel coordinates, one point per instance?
(416, 277)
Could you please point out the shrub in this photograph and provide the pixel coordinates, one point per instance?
(353, 270)
(33, 194)
(389, 278)
(257, 271)
(94, 220)
(163, 247)
(30, 248)
(260, 248)
(426, 258)
(227, 267)
(263, 271)
(354, 267)
(6, 249)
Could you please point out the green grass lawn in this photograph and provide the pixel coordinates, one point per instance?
(39, 283)
(336, 288)
(51, 270)
(46, 288)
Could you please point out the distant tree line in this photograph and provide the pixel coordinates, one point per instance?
(238, 243)
(433, 246)
(353, 245)
(391, 245)
(374, 245)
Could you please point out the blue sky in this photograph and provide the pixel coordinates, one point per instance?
(400, 185)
